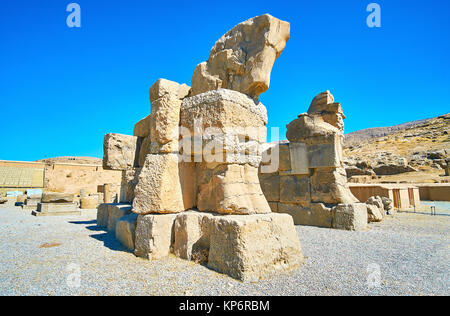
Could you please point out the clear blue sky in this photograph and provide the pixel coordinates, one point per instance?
(62, 89)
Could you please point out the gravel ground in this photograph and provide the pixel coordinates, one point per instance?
(410, 250)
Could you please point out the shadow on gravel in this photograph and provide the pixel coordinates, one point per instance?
(424, 213)
(109, 241)
(84, 222)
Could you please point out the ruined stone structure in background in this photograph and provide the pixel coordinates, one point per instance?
(191, 167)
(310, 182)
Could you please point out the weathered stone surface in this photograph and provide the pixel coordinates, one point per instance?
(102, 215)
(192, 231)
(243, 58)
(89, 202)
(329, 186)
(166, 88)
(325, 155)
(350, 216)
(387, 203)
(154, 235)
(164, 122)
(126, 229)
(230, 189)
(142, 128)
(299, 159)
(378, 202)
(56, 209)
(130, 179)
(236, 248)
(295, 189)
(159, 189)
(373, 213)
(115, 212)
(315, 214)
(285, 157)
(270, 185)
(53, 197)
(224, 109)
(120, 152)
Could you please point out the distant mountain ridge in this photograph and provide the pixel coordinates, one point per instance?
(374, 132)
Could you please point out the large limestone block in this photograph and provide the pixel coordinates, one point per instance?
(299, 158)
(253, 247)
(325, 155)
(120, 152)
(142, 128)
(311, 130)
(230, 189)
(102, 215)
(154, 235)
(166, 88)
(159, 189)
(329, 186)
(225, 110)
(56, 209)
(315, 214)
(270, 185)
(164, 122)
(54, 197)
(89, 202)
(295, 189)
(285, 157)
(115, 212)
(192, 231)
(350, 216)
(130, 179)
(243, 58)
(126, 229)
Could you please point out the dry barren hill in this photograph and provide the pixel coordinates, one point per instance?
(73, 160)
(412, 149)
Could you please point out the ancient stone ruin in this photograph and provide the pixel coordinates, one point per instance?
(191, 168)
(309, 181)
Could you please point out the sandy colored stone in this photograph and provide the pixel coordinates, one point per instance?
(54, 197)
(285, 157)
(102, 215)
(89, 202)
(192, 231)
(154, 235)
(129, 181)
(115, 212)
(164, 121)
(373, 214)
(166, 88)
(295, 189)
(315, 214)
(243, 58)
(142, 128)
(223, 109)
(230, 189)
(126, 229)
(350, 216)
(120, 152)
(159, 189)
(329, 186)
(270, 185)
(236, 248)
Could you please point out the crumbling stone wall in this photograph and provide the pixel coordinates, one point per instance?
(305, 177)
(191, 168)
